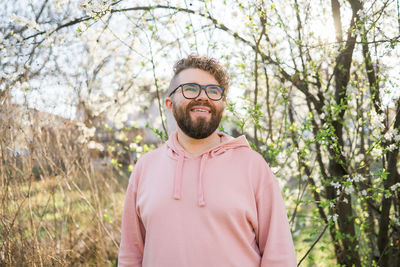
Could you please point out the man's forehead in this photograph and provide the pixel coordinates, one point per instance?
(194, 75)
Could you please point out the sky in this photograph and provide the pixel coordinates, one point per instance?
(58, 98)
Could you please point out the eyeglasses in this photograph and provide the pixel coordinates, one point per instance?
(193, 90)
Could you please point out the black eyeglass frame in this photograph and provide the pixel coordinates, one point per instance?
(202, 87)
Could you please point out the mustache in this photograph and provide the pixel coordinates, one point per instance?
(201, 103)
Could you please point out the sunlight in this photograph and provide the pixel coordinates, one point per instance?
(323, 31)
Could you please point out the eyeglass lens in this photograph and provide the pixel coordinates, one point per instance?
(214, 92)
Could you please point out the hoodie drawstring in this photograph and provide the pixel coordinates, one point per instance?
(200, 188)
(178, 177)
(176, 152)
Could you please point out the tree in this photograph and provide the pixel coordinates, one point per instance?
(324, 105)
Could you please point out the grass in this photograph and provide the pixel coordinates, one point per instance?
(54, 222)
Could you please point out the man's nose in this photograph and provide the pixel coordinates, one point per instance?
(202, 95)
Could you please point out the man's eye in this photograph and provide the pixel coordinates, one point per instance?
(213, 90)
(190, 89)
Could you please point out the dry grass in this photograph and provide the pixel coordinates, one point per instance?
(57, 209)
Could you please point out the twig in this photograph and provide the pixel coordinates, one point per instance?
(312, 246)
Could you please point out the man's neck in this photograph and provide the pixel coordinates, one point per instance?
(198, 146)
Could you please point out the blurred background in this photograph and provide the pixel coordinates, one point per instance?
(315, 87)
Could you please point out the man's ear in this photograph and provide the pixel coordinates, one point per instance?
(168, 103)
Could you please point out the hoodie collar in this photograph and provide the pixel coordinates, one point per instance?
(178, 153)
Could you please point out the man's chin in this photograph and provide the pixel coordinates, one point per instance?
(198, 130)
(199, 136)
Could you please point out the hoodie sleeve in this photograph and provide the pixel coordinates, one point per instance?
(273, 233)
(132, 232)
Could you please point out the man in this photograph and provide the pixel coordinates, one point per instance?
(203, 199)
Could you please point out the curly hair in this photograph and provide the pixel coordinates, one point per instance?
(210, 65)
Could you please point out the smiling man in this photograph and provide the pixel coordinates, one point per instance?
(203, 199)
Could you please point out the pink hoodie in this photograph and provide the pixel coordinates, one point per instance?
(222, 208)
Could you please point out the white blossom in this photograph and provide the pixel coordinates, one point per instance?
(22, 21)
(376, 152)
(120, 136)
(120, 120)
(281, 157)
(59, 4)
(133, 146)
(358, 177)
(333, 217)
(362, 14)
(92, 7)
(24, 85)
(388, 135)
(364, 192)
(376, 120)
(349, 190)
(93, 145)
(392, 147)
(359, 157)
(335, 184)
(396, 135)
(395, 187)
(81, 139)
(86, 132)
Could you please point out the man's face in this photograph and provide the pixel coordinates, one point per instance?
(200, 117)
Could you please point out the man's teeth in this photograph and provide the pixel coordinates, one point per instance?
(201, 110)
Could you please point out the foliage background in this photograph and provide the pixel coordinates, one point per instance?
(315, 88)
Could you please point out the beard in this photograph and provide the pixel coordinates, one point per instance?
(198, 128)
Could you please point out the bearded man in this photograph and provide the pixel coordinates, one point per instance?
(203, 199)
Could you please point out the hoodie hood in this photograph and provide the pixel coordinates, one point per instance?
(178, 153)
